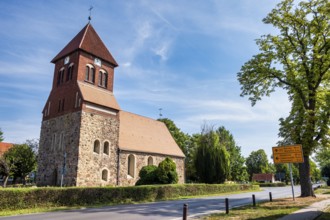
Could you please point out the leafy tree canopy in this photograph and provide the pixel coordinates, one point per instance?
(297, 59)
(212, 159)
(237, 171)
(21, 159)
(257, 162)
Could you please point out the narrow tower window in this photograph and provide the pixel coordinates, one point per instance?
(106, 148)
(90, 73)
(70, 72)
(103, 78)
(96, 146)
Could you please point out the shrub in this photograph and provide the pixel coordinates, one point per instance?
(148, 175)
(166, 172)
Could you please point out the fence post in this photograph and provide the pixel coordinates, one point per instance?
(227, 205)
(185, 211)
(270, 197)
(254, 200)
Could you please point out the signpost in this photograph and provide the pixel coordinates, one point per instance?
(288, 154)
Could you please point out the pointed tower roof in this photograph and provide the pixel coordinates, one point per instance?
(89, 41)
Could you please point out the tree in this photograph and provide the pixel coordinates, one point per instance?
(212, 159)
(187, 144)
(315, 172)
(325, 170)
(21, 159)
(5, 169)
(298, 61)
(257, 162)
(1, 135)
(180, 138)
(237, 171)
(191, 174)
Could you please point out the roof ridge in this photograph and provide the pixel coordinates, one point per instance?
(83, 38)
(91, 86)
(142, 116)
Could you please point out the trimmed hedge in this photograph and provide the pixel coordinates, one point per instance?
(22, 198)
(272, 184)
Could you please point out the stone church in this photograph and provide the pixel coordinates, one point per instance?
(86, 139)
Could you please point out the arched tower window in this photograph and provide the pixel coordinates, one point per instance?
(150, 161)
(106, 148)
(90, 73)
(103, 78)
(131, 165)
(70, 72)
(60, 76)
(96, 146)
(105, 175)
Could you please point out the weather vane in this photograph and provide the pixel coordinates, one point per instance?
(90, 13)
(160, 113)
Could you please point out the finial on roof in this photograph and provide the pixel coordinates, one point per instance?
(90, 14)
(160, 113)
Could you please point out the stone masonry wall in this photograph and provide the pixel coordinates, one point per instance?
(58, 136)
(141, 160)
(90, 166)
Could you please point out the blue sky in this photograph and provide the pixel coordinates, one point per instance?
(181, 56)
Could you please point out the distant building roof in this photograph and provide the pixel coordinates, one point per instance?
(4, 147)
(89, 41)
(142, 134)
(98, 96)
(263, 177)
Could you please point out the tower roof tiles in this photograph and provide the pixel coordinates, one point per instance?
(89, 41)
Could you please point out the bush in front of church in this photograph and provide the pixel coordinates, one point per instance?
(165, 173)
(147, 175)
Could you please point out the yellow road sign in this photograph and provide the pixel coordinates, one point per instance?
(288, 154)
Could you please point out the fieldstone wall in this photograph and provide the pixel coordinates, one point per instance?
(59, 136)
(141, 160)
(102, 128)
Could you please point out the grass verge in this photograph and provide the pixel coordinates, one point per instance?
(267, 210)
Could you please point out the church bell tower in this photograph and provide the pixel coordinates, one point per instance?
(80, 124)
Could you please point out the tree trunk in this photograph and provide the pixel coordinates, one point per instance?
(305, 179)
(5, 181)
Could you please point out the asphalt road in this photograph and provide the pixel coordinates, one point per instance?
(168, 210)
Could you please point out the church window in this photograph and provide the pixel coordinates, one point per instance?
(90, 73)
(106, 148)
(96, 146)
(150, 161)
(60, 76)
(105, 175)
(131, 165)
(103, 78)
(70, 72)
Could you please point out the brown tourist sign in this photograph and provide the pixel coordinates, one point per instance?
(288, 154)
